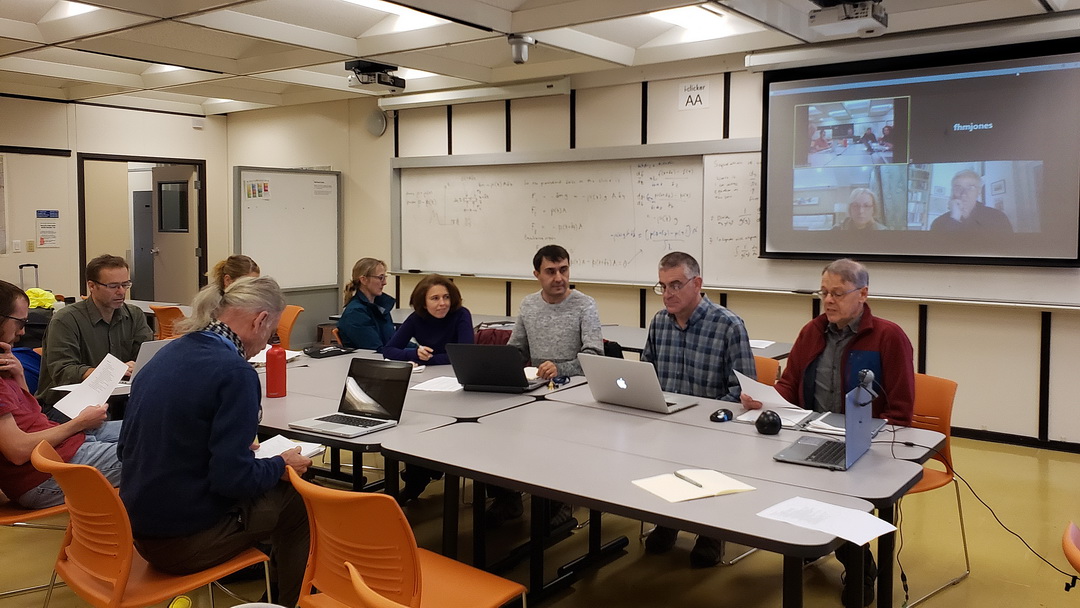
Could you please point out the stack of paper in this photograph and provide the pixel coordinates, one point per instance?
(442, 384)
(97, 387)
(770, 399)
(259, 360)
(279, 443)
(688, 484)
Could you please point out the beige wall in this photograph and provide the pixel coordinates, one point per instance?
(36, 182)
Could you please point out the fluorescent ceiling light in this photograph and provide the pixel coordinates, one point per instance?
(161, 68)
(65, 10)
(700, 24)
(407, 18)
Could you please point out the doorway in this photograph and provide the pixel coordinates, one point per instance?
(150, 211)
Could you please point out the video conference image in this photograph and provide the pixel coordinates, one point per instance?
(971, 161)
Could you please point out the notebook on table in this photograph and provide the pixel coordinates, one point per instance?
(492, 368)
(838, 455)
(372, 400)
(630, 383)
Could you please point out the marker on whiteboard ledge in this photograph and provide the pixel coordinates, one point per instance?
(466, 274)
(414, 271)
(804, 292)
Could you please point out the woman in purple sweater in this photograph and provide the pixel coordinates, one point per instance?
(439, 319)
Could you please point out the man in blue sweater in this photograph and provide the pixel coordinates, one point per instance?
(194, 491)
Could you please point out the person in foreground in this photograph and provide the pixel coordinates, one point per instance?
(194, 491)
(366, 321)
(695, 346)
(81, 334)
(554, 326)
(86, 439)
(824, 365)
(438, 319)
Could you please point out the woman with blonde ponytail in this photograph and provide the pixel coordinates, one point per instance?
(206, 303)
(366, 322)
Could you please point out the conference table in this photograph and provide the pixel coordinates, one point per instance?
(563, 445)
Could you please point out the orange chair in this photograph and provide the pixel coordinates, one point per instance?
(768, 370)
(1070, 544)
(367, 596)
(11, 514)
(165, 318)
(371, 532)
(933, 410)
(285, 325)
(98, 558)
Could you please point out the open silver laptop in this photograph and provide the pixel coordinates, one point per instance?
(372, 400)
(630, 383)
(838, 455)
(147, 350)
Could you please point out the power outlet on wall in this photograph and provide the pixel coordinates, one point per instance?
(30, 245)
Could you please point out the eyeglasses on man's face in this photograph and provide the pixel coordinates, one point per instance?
(672, 287)
(22, 322)
(113, 286)
(836, 295)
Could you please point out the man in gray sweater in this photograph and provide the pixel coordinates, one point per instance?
(553, 326)
(556, 323)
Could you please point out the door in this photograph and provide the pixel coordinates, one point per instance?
(176, 229)
(142, 261)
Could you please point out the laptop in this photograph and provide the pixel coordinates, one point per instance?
(146, 352)
(630, 383)
(372, 400)
(838, 455)
(491, 368)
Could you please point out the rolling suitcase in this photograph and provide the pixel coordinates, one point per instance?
(38, 318)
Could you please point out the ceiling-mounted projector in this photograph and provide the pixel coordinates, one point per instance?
(374, 77)
(866, 19)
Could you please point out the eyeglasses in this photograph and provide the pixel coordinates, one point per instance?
(836, 296)
(967, 188)
(125, 284)
(380, 277)
(673, 287)
(22, 322)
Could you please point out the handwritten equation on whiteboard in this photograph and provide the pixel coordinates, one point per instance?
(732, 206)
(617, 217)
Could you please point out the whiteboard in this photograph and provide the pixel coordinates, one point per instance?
(617, 218)
(287, 221)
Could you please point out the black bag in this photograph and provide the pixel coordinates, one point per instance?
(35, 327)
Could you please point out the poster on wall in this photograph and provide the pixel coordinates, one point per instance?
(48, 228)
(3, 209)
(257, 188)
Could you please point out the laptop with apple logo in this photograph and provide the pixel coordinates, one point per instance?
(631, 384)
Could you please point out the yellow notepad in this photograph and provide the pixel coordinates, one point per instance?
(688, 484)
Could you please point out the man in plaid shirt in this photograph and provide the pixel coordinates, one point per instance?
(695, 346)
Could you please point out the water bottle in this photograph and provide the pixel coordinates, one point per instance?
(275, 371)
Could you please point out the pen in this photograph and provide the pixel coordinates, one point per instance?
(687, 479)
